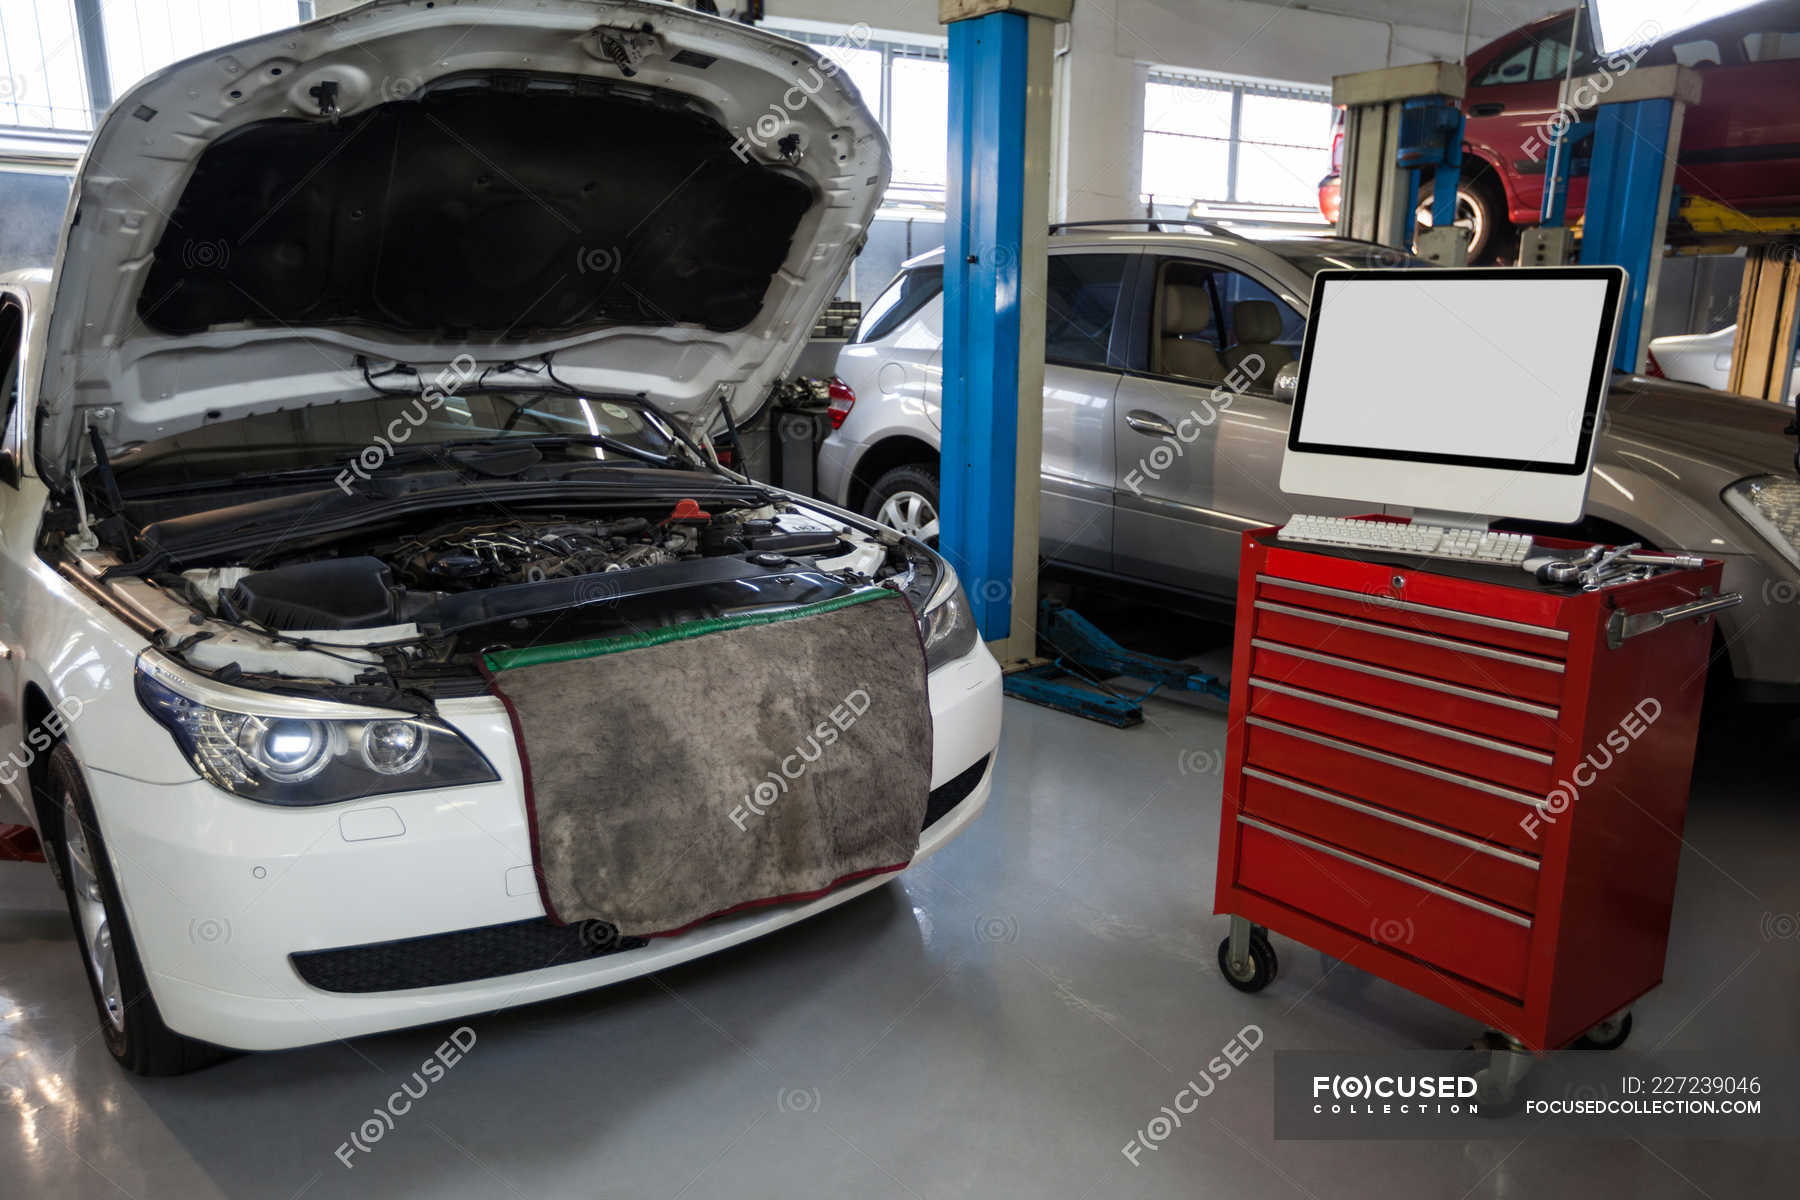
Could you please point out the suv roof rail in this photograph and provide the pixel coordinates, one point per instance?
(1155, 224)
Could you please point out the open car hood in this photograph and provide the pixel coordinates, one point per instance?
(662, 201)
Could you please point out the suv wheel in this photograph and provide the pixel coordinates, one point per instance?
(906, 499)
(133, 1029)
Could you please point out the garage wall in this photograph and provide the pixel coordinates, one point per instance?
(1107, 47)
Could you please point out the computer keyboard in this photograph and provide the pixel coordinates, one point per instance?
(1418, 541)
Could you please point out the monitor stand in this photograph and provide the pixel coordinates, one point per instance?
(1451, 520)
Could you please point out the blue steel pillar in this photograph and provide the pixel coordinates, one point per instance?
(1631, 185)
(994, 254)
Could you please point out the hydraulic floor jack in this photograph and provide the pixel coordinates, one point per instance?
(1086, 654)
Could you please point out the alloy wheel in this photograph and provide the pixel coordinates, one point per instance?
(909, 513)
(90, 908)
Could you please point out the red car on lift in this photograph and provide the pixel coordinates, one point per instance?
(1740, 145)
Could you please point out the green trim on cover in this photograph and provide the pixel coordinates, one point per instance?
(534, 656)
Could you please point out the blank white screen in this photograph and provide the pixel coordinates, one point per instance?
(1493, 368)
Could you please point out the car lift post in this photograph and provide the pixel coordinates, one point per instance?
(995, 234)
(1636, 119)
(1398, 123)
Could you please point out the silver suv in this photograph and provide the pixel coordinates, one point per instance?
(1148, 477)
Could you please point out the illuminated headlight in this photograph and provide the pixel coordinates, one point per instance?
(948, 624)
(285, 755)
(1770, 504)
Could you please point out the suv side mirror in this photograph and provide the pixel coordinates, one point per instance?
(1287, 382)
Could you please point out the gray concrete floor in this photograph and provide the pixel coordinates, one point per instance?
(998, 1023)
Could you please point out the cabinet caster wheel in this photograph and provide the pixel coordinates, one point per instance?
(1255, 974)
(1608, 1035)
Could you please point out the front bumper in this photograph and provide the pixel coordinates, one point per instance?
(1759, 634)
(221, 891)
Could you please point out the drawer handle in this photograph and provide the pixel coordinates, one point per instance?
(1408, 635)
(1449, 614)
(1420, 681)
(1505, 914)
(1382, 814)
(1376, 714)
(1394, 760)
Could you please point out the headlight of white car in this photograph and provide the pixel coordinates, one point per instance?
(290, 754)
(948, 625)
(1771, 506)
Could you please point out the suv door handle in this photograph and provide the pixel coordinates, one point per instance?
(1492, 108)
(1149, 423)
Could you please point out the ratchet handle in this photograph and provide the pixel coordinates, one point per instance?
(1623, 626)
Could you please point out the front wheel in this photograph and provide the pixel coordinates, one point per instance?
(905, 499)
(1481, 210)
(133, 1029)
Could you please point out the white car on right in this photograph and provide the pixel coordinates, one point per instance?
(1702, 358)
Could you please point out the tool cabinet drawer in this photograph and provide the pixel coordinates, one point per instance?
(1468, 864)
(1533, 677)
(1478, 807)
(1474, 710)
(1377, 605)
(1465, 753)
(1482, 942)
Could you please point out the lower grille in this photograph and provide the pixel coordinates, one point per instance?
(460, 956)
(465, 955)
(951, 794)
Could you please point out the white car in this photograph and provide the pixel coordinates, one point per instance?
(373, 346)
(1702, 358)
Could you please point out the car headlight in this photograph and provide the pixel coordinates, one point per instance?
(1770, 504)
(279, 750)
(948, 624)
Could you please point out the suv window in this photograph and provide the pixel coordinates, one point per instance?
(1081, 296)
(1511, 68)
(910, 291)
(1245, 325)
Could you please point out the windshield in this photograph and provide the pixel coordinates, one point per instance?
(376, 429)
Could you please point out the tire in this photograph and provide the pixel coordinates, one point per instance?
(1481, 207)
(129, 1022)
(1608, 1035)
(909, 494)
(1263, 965)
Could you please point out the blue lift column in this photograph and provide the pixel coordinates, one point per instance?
(1636, 118)
(995, 230)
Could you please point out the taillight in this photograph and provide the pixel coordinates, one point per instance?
(842, 401)
(1337, 148)
(1652, 368)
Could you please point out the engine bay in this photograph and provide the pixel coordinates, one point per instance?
(413, 604)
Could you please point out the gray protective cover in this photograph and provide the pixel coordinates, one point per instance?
(682, 774)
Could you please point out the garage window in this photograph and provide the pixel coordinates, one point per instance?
(1220, 139)
(906, 84)
(66, 61)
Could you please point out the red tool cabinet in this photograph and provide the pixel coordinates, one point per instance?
(1461, 780)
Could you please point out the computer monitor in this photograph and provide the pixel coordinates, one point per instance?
(1475, 392)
